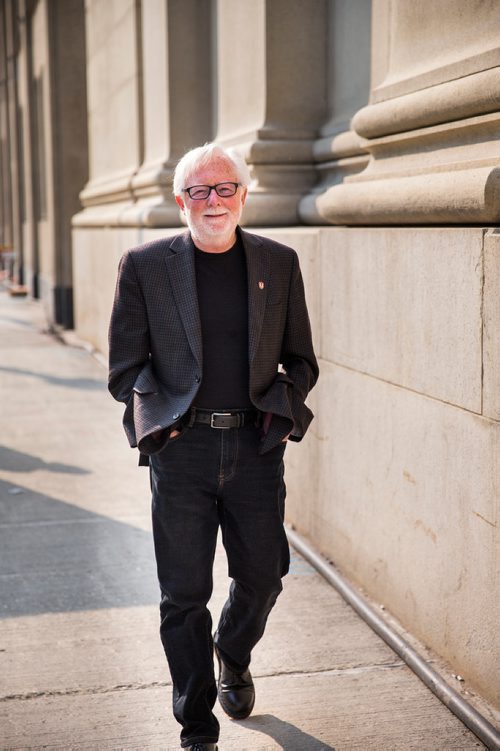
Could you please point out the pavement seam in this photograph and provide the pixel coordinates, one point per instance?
(165, 684)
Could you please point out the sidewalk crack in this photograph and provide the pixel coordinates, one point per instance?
(89, 691)
(348, 670)
(83, 691)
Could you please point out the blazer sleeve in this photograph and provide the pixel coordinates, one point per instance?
(129, 343)
(297, 353)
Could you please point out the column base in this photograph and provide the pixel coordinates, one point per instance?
(442, 174)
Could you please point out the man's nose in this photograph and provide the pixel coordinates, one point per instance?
(213, 198)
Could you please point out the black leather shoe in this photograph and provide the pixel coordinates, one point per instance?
(203, 747)
(236, 691)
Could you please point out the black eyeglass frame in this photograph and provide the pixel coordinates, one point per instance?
(210, 189)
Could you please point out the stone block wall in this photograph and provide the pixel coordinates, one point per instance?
(398, 480)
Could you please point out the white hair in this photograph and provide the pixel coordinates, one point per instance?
(203, 155)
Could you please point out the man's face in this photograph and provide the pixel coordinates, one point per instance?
(213, 221)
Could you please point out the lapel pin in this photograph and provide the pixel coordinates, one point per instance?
(261, 285)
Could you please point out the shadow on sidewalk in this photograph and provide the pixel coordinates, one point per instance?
(18, 461)
(87, 384)
(289, 736)
(57, 557)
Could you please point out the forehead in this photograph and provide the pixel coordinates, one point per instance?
(217, 170)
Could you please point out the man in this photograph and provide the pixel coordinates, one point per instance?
(210, 349)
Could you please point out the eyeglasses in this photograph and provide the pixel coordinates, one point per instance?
(201, 192)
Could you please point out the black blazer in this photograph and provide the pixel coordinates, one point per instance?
(155, 348)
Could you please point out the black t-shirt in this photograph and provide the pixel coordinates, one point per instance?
(221, 280)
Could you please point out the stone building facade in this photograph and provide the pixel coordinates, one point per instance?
(372, 134)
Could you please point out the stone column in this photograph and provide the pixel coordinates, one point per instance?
(432, 125)
(338, 152)
(239, 74)
(271, 98)
(114, 109)
(5, 188)
(177, 101)
(26, 135)
(11, 168)
(67, 131)
(150, 100)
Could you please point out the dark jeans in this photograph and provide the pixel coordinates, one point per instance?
(203, 478)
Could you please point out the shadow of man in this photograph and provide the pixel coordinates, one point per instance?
(288, 736)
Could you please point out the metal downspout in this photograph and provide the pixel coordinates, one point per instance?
(475, 721)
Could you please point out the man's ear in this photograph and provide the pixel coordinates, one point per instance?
(244, 196)
(179, 202)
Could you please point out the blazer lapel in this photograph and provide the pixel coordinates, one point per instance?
(258, 271)
(179, 261)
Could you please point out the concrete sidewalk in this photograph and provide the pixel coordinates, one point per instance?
(81, 666)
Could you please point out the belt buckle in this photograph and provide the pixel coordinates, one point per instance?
(219, 414)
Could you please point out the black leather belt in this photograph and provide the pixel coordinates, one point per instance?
(224, 420)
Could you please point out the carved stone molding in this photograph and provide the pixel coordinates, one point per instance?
(282, 170)
(293, 40)
(337, 158)
(446, 173)
(453, 100)
(432, 126)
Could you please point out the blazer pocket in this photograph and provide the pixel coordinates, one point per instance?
(283, 378)
(278, 397)
(146, 383)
